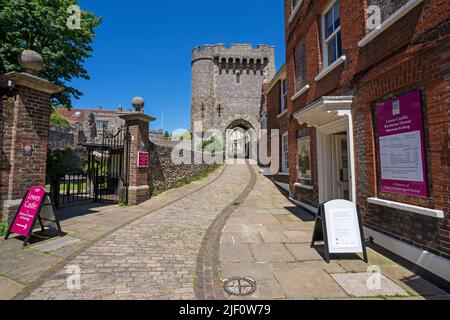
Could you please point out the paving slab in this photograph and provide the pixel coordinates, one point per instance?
(411, 282)
(298, 226)
(255, 271)
(273, 237)
(332, 267)
(235, 253)
(298, 236)
(267, 290)
(55, 244)
(246, 237)
(303, 284)
(369, 285)
(354, 265)
(270, 252)
(303, 252)
(9, 288)
(264, 220)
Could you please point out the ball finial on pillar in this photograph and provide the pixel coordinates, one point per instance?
(138, 103)
(31, 61)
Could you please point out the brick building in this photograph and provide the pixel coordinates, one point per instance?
(276, 100)
(368, 117)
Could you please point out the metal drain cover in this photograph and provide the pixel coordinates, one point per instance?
(240, 286)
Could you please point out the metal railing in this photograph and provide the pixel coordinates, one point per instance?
(71, 188)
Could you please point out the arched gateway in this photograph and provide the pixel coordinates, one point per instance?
(240, 138)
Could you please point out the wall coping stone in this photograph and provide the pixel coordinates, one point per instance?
(407, 207)
(136, 116)
(30, 81)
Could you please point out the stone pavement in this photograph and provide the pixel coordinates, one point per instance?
(22, 269)
(173, 247)
(267, 239)
(155, 256)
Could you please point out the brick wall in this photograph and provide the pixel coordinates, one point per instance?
(409, 71)
(25, 122)
(409, 55)
(307, 196)
(3, 158)
(275, 120)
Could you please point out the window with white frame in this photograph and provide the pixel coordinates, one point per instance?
(300, 65)
(304, 158)
(102, 125)
(284, 96)
(294, 4)
(285, 153)
(331, 35)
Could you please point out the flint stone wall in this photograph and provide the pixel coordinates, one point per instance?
(164, 173)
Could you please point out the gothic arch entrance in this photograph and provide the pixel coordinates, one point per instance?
(240, 140)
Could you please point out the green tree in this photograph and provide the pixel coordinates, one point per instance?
(41, 25)
(58, 120)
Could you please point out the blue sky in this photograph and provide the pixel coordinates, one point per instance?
(144, 48)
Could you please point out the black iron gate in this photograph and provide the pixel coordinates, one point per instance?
(109, 166)
(106, 177)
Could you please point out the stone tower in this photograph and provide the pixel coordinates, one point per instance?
(227, 84)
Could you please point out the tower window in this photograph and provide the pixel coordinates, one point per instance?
(238, 78)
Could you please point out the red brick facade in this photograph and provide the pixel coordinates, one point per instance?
(410, 54)
(138, 127)
(276, 119)
(24, 121)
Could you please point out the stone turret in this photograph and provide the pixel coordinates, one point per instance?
(227, 83)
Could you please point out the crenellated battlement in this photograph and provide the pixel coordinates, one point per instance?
(241, 52)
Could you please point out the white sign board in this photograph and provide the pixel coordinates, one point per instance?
(401, 157)
(343, 228)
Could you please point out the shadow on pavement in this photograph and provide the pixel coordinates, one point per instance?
(81, 210)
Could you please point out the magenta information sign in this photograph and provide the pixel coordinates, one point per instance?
(401, 145)
(28, 211)
(142, 159)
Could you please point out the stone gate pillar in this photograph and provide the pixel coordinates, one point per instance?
(24, 124)
(138, 127)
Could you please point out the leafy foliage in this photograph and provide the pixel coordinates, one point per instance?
(3, 228)
(211, 145)
(57, 120)
(63, 161)
(41, 25)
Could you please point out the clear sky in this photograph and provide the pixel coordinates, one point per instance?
(143, 48)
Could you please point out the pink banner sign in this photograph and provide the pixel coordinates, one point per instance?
(402, 145)
(25, 218)
(142, 159)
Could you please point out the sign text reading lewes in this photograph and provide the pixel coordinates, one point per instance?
(28, 211)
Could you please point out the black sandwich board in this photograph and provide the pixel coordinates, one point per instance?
(36, 205)
(339, 225)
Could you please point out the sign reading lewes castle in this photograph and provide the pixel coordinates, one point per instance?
(401, 145)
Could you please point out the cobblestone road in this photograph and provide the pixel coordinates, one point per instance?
(154, 257)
